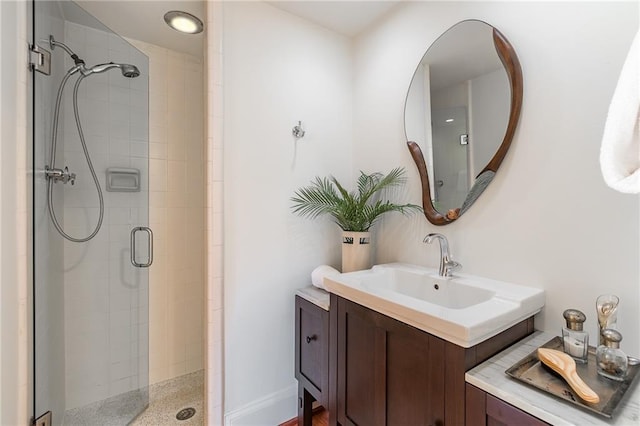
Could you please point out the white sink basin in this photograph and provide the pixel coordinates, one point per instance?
(450, 293)
(462, 309)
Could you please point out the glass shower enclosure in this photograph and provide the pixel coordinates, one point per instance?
(91, 241)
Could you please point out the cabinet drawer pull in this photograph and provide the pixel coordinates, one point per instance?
(311, 338)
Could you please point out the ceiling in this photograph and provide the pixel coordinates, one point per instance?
(143, 19)
(347, 17)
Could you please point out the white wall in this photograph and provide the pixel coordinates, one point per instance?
(547, 220)
(490, 101)
(15, 360)
(278, 69)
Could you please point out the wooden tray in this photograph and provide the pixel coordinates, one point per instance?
(532, 372)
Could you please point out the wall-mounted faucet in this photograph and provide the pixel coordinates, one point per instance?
(60, 175)
(447, 265)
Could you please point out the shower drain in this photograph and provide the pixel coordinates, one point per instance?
(185, 413)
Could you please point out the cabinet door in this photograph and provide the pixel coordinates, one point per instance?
(415, 377)
(361, 366)
(389, 373)
(312, 349)
(385, 372)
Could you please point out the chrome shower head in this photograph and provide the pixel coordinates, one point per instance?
(128, 70)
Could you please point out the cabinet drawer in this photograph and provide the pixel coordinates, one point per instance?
(312, 350)
(483, 409)
(502, 413)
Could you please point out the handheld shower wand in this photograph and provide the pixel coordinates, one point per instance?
(128, 70)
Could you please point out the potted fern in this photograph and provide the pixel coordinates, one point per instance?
(355, 212)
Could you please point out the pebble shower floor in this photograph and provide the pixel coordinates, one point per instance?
(166, 400)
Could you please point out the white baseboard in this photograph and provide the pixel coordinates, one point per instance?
(269, 410)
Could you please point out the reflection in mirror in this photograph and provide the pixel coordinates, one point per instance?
(461, 111)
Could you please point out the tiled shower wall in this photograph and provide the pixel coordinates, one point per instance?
(176, 167)
(176, 216)
(105, 297)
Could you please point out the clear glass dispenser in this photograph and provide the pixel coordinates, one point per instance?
(607, 310)
(611, 361)
(574, 339)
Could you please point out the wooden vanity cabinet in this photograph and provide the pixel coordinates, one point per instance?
(312, 358)
(385, 372)
(388, 373)
(484, 409)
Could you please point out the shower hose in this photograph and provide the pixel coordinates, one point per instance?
(52, 160)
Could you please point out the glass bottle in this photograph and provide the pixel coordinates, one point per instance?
(611, 361)
(606, 308)
(575, 340)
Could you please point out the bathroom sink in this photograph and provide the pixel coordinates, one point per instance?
(462, 309)
(449, 292)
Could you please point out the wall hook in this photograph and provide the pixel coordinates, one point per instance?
(297, 131)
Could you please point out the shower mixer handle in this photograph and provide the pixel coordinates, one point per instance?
(60, 175)
(69, 177)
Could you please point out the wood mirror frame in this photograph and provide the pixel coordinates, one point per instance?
(510, 61)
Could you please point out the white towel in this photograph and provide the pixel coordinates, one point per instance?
(620, 150)
(322, 271)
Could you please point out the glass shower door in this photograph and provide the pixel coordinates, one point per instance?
(90, 298)
(450, 157)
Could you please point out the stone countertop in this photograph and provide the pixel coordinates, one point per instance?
(490, 376)
(315, 295)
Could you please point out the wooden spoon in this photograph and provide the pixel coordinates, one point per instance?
(564, 365)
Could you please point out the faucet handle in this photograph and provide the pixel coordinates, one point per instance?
(447, 265)
(450, 266)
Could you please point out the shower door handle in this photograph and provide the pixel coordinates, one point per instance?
(133, 247)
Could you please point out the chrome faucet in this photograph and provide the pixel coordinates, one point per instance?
(60, 175)
(447, 265)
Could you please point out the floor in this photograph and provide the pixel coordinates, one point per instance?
(320, 418)
(166, 399)
(115, 411)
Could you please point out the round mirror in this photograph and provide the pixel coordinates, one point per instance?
(461, 112)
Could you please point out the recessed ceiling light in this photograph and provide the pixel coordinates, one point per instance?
(183, 22)
(449, 120)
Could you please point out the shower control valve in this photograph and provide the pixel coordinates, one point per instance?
(60, 175)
